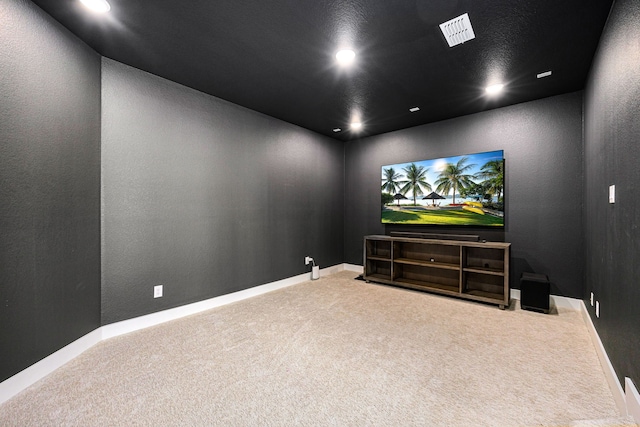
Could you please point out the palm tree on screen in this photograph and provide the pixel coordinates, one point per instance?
(454, 177)
(390, 181)
(493, 175)
(415, 180)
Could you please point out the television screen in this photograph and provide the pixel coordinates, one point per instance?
(460, 190)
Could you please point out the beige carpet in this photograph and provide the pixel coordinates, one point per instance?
(335, 351)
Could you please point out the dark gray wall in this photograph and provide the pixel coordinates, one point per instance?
(542, 143)
(206, 197)
(612, 156)
(49, 187)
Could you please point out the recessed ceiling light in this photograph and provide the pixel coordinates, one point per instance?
(337, 130)
(356, 125)
(545, 74)
(98, 6)
(414, 109)
(494, 89)
(345, 57)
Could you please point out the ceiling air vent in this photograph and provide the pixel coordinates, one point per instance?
(458, 30)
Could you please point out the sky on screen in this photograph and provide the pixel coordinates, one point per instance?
(435, 166)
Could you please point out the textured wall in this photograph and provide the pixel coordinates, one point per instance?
(612, 156)
(542, 143)
(206, 197)
(49, 187)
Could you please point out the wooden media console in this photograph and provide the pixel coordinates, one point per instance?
(476, 271)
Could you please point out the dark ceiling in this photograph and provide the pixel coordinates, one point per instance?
(277, 56)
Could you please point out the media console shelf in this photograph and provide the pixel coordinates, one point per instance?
(476, 271)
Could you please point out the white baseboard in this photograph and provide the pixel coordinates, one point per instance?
(555, 300)
(328, 271)
(632, 399)
(353, 267)
(566, 302)
(27, 377)
(142, 322)
(607, 367)
(137, 323)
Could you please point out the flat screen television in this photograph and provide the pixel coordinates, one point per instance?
(465, 190)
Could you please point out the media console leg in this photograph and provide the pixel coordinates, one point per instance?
(501, 306)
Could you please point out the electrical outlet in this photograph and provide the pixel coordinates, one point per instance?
(612, 194)
(307, 260)
(597, 309)
(591, 299)
(157, 291)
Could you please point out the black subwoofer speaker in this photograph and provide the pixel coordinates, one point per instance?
(534, 292)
